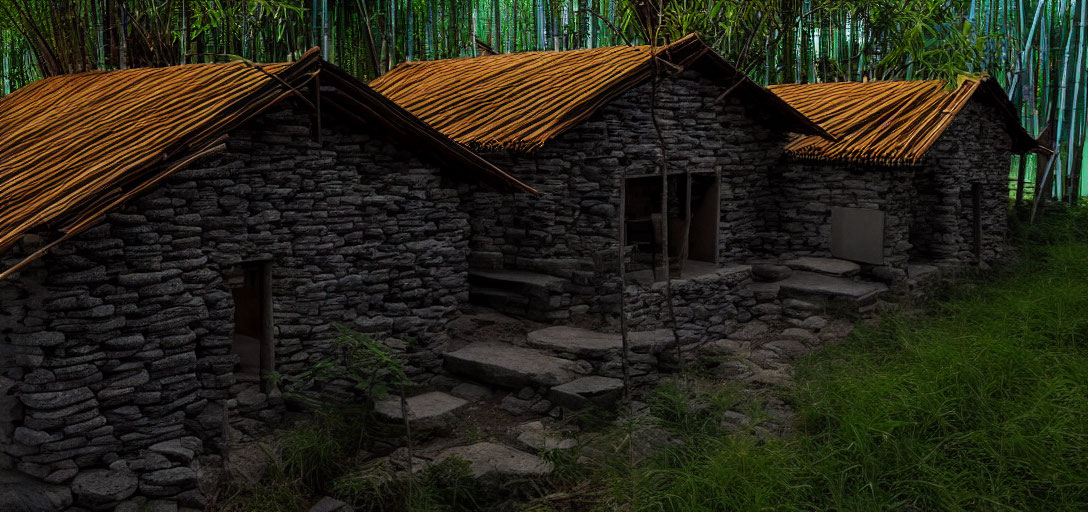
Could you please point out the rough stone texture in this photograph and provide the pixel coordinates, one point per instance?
(812, 284)
(103, 486)
(586, 391)
(576, 341)
(928, 208)
(328, 504)
(20, 493)
(829, 266)
(426, 411)
(974, 149)
(120, 339)
(495, 460)
(770, 273)
(706, 307)
(512, 367)
(536, 436)
(571, 229)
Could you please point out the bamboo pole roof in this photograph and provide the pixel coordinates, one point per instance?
(74, 147)
(521, 100)
(890, 122)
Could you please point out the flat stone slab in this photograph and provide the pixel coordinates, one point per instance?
(493, 459)
(428, 409)
(512, 366)
(809, 283)
(520, 277)
(769, 273)
(537, 437)
(916, 271)
(587, 391)
(828, 266)
(577, 341)
(328, 504)
(650, 341)
(20, 492)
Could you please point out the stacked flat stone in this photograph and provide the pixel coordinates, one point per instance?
(928, 208)
(119, 340)
(571, 229)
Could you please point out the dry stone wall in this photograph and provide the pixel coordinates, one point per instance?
(571, 229)
(800, 220)
(976, 148)
(707, 307)
(928, 208)
(117, 344)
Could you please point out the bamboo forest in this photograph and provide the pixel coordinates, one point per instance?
(1035, 50)
(543, 255)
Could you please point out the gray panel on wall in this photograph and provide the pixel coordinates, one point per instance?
(857, 234)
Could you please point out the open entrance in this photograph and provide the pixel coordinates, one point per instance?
(253, 322)
(693, 223)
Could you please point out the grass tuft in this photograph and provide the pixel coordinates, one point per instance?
(979, 404)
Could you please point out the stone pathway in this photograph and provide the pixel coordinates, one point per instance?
(508, 378)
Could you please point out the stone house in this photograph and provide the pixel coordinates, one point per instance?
(916, 173)
(586, 128)
(169, 236)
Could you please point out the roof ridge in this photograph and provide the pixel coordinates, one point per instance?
(521, 100)
(870, 133)
(63, 172)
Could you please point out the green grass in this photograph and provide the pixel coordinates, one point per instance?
(979, 404)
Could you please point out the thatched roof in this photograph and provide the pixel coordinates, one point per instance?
(74, 147)
(522, 100)
(890, 122)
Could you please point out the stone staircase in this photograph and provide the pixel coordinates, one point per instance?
(542, 370)
(547, 370)
(532, 295)
(821, 282)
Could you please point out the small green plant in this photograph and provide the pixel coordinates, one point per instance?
(269, 496)
(368, 366)
(980, 403)
(445, 486)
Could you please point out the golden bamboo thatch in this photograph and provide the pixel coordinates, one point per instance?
(890, 122)
(521, 100)
(74, 147)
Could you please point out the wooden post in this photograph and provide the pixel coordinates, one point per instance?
(317, 108)
(1021, 176)
(685, 243)
(976, 204)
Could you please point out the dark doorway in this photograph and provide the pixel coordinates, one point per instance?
(693, 220)
(253, 321)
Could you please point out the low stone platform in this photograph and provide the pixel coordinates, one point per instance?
(493, 459)
(808, 284)
(511, 366)
(429, 410)
(827, 266)
(584, 343)
(587, 391)
(531, 295)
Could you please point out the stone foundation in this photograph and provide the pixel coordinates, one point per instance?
(118, 343)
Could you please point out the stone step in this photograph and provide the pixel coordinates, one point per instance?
(826, 266)
(588, 391)
(511, 366)
(517, 292)
(433, 410)
(487, 459)
(521, 281)
(576, 341)
(810, 284)
(585, 343)
(501, 300)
